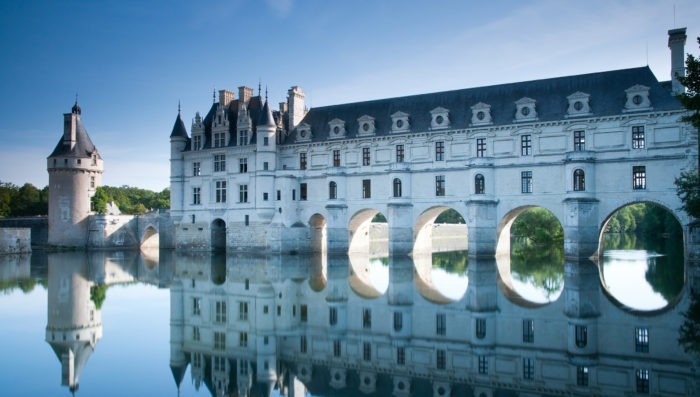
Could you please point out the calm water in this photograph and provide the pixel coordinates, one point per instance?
(435, 325)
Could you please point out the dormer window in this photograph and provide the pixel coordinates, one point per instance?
(399, 122)
(525, 110)
(481, 114)
(337, 128)
(578, 105)
(365, 126)
(303, 133)
(440, 118)
(637, 98)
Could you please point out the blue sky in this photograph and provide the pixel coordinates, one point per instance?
(132, 61)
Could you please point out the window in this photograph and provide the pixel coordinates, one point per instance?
(398, 321)
(332, 190)
(302, 191)
(641, 340)
(439, 151)
(336, 158)
(92, 182)
(367, 351)
(302, 161)
(219, 341)
(197, 142)
(579, 141)
(440, 324)
(528, 368)
(332, 316)
(336, 348)
(247, 220)
(480, 328)
(480, 147)
(638, 137)
(243, 367)
(196, 168)
(197, 360)
(265, 196)
(219, 162)
(400, 355)
(440, 185)
(525, 145)
(440, 359)
(220, 191)
(579, 180)
(581, 336)
(196, 195)
(196, 336)
(196, 306)
(266, 141)
(397, 187)
(526, 181)
(365, 156)
(243, 138)
(243, 311)
(528, 331)
(366, 188)
(219, 139)
(279, 195)
(243, 339)
(242, 193)
(639, 177)
(366, 318)
(220, 312)
(243, 165)
(302, 344)
(479, 184)
(304, 315)
(266, 309)
(581, 375)
(642, 377)
(483, 364)
(399, 154)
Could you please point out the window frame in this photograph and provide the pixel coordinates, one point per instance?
(639, 177)
(480, 147)
(440, 185)
(479, 184)
(400, 153)
(638, 137)
(525, 145)
(526, 182)
(439, 150)
(579, 141)
(366, 160)
(220, 191)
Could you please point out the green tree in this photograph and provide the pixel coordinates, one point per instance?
(539, 226)
(689, 333)
(100, 200)
(690, 99)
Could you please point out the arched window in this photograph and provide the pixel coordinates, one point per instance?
(579, 180)
(479, 184)
(397, 187)
(332, 190)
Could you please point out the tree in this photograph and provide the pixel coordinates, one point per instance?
(690, 99)
(100, 200)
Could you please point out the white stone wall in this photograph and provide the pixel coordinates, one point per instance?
(15, 241)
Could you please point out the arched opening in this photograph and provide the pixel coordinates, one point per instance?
(530, 255)
(218, 235)
(150, 238)
(317, 226)
(218, 268)
(369, 253)
(641, 256)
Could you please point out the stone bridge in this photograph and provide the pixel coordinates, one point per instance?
(147, 231)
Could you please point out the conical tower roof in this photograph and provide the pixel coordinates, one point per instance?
(179, 129)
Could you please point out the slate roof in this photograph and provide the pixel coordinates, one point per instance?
(84, 148)
(179, 129)
(606, 90)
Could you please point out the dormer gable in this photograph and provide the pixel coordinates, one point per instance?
(336, 128)
(365, 126)
(579, 104)
(481, 114)
(303, 133)
(637, 98)
(439, 118)
(400, 122)
(525, 110)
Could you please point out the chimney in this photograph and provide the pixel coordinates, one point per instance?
(244, 94)
(295, 98)
(225, 97)
(69, 129)
(283, 107)
(676, 42)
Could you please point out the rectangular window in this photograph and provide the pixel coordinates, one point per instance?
(366, 188)
(480, 328)
(243, 339)
(581, 335)
(302, 161)
(582, 375)
(480, 147)
(243, 165)
(266, 166)
(528, 368)
(398, 321)
(483, 365)
(399, 154)
(642, 378)
(439, 151)
(243, 137)
(279, 195)
(247, 220)
(92, 182)
(302, 191)
(638, 139)
(579, 141)
(242, 193)
(528, 331)
(196, 336)
(440, 324)
(197, 360)
(196, 306)
(219, 139)
(266, 141)
(440, 185)
(304, 315)
(220, 191)
(332, 316)
(366, 318)
(196, 195)
(243, 311)
(220, 312)
(302, 344)
(243, 367)
(526, 181)
(219, 341)
(219, 364)
(197, 142)
(525, 145)
(365, 156)
(400, 355)
(265, 196)
(440, 359)
(196, 168)
(336, 158)
(336, 348)
(641, 340)
(639, 177)
(367, 351)
(219, 162)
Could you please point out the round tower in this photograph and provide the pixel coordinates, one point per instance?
(75, 170)
(178, 143)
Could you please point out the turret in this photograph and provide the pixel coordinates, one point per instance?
(676, 42)
(178, 142)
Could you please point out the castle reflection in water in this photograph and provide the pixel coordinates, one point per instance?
(283, 325)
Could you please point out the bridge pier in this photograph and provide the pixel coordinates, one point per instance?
(581, 229)
(481, 227)
(400, 219)
(337, 238)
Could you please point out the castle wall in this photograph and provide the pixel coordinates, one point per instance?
(15, 241)
(113, 231)
(39, 226)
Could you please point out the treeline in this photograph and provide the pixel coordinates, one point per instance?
(130, 200)
(538, 226)
(26, 200)
(644, 220)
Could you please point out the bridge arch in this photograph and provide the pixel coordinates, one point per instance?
(363, 237)
(150, 238)
(424, 231)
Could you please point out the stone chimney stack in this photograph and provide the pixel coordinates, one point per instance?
(225, 97)
(297, 111)
(676, 42)
(244, 94)
(69, 129)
